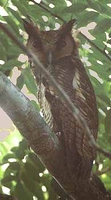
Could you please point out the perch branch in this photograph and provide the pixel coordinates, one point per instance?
(64, 97)
(31, 125)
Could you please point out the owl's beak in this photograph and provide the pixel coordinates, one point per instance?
(50, 57)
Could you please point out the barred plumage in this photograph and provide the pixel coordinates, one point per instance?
(58, 51)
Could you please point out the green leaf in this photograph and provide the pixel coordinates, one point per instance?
(109, 41)
(22, 192)
(31, 169)
(58, 6)
(14, 149)
(110, 34)
(94, 4)
(29, 80)
(12, 24)
(3, 148)
(52, 194)
(99, 41)
(14, 53)
(2, 52)
(6, 181)
(104, 98)
(87, 17)
(15, 14)
(35, 105)
(108, 122)
(101, 8)
(23, 145)
(46, 180)
(3, 2)
(7, 157)
(11, 64)
(37, 162)
(21, 7)
(32, 186)
(76, 8)
(19, 153)
(14, 166)
(20, 81)
(102, 26)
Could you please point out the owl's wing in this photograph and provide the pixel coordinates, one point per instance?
(86, 103)
(71, 75)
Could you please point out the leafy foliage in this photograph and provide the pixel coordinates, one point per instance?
(22, 176)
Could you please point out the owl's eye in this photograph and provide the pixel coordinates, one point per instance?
(61, 43)
(37, 43)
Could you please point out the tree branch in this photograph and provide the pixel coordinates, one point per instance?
(41, 5)
(26, 118)
(103, 171)
(31, 125)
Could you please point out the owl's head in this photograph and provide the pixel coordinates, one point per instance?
(51, 45)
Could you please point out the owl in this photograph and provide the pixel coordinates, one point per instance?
(58, 52)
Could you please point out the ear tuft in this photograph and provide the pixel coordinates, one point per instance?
(67, 27)
(30, 27)
(70, 24)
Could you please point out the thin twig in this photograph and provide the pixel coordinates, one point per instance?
(103, 171)
(84, 36)
(62, 94)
